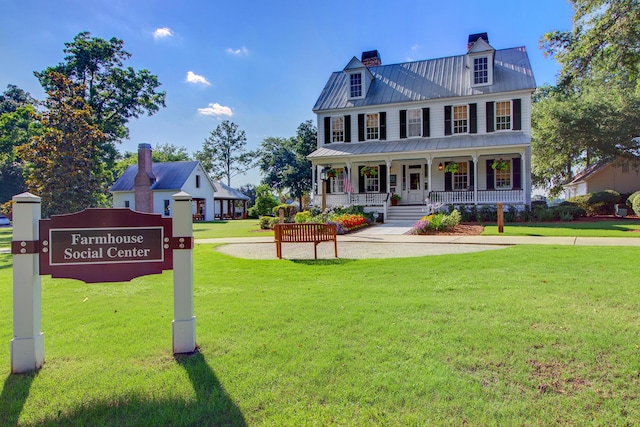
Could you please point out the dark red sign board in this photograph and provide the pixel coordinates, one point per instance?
(106, 245)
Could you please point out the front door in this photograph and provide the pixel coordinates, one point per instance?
(415, 185)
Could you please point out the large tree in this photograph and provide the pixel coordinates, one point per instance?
(283, 161)
(592, 112)
(61, 161)
(115, 94)
(160, 154)
(223, 153)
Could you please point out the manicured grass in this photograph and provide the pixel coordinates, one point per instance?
(235, 228)
(523, 336)
(5, 236)
(614, 228)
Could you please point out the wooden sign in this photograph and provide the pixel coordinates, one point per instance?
(107, 245)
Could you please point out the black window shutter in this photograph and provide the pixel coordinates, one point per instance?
(517, 114)
(360, 127)
(471, 174)
(328, 187)
(347, 128)
(490, 185)
(383, 178)
(473, 118)
(447, 120)
(327, 130)
(490, 122)
(448, 181)
(426, 128)
(383, 125)
(516, 165)
(361, 188)
(403, 124)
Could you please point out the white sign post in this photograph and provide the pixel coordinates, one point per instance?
(27, 345)
(184, 321)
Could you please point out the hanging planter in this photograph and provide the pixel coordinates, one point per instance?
(368, 171)
(331, 173)
(500, 165)
(451, 167)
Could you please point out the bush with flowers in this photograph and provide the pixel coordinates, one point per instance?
(436, 222)
(346, 218)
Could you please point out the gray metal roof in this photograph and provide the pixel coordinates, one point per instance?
(224, 192)
(430, 79)
(421, 145)
(169, 176)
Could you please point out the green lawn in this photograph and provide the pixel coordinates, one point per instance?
(614, 228)
(235, 228)
(528, 335)
(5, 236)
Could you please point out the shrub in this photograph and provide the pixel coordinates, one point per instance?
(267, 222)
(350, 222)
(525, 214)
(452, 220)
(600, 203)
(302, 217)
(563, 211)
(436, 222)
(488, 214)
(511, 215)
(634, 202)
(543, 214)
(290, 211)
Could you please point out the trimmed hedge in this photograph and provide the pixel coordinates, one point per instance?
(600, 203)
(634, 202)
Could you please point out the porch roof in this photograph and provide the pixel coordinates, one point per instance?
(422, 145)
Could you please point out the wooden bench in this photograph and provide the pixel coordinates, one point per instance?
(307, 232)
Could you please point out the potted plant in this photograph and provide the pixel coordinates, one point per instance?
(331, 173)
(395, 198)
(500, 165)
(368, 171)
(451, 167)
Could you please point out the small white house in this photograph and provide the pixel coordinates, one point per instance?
(149, 187)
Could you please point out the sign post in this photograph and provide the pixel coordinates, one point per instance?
(27, 345)
(184, 321)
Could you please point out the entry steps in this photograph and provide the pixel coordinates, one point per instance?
(405, 213)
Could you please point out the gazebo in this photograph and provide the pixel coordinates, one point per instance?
(226, 200)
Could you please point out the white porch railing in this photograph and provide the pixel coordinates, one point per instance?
(360, 199)
(484, 197)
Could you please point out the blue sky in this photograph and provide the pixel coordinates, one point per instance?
(259, 64)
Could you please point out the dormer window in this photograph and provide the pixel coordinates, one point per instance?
(355, 85)
(480, 70)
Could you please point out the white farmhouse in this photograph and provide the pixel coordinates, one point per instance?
(456, 130)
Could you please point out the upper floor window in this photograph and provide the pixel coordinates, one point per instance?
(480, 70)
(372, 126)
(414, 123)
(503, 176)
(460, 119)
(197, 181)
(355, 85)
(337, 129)
(503, 115)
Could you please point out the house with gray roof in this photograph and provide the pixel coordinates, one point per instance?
(621, 175)
(455, 130)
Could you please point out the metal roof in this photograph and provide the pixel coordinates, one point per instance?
(448, 143)
(224, 192)
(429, 79)
(169, 176)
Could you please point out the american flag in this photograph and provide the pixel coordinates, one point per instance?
(348, 188)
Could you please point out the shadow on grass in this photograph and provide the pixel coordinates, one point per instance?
(14, 395)
(318, 262)
(212, 406)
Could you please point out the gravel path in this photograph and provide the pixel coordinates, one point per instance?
(349, 250)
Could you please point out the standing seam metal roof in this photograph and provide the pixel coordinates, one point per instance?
(429, 79)
(169, 176)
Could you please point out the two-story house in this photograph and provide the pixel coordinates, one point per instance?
(455, 130)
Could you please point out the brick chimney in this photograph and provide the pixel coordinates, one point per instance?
(371, 58)
(144, 179)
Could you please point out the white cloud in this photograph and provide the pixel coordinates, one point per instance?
(163, 32)
(238, 52)
(215, 110)
(196, 79)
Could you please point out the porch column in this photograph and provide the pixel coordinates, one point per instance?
(429, 162)
(474, 157)
(523, 175)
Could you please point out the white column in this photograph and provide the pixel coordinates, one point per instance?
(474, 157)
(526, 183)
(27, 345)
(184, 321)
(429, 163)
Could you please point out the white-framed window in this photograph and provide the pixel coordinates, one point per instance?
(503, 115)
(480, 70)
(460, 119)
(127, 204)
(503, 177)
(372, 126)
(460, 179)
(355, 85)
(372, 182)
(414, 123)
(337, 129)
(337, 182)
